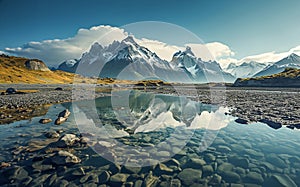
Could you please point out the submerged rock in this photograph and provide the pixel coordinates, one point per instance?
(190, 176)
(271, 124)
(279, 180)
(118, 179)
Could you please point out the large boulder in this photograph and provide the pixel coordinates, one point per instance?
(36, 65)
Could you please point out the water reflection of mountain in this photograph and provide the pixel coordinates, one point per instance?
(135, 112)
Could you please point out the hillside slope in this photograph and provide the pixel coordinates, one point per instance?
(23, 70)
(290, 77)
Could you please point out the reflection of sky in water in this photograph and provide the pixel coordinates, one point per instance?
(145, 112)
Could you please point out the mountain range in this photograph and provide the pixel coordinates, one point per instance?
(128, 60)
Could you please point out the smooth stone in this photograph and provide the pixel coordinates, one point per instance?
(254, 153)
(138, 183)
(240, 171)
(253, 177)
(15, 173)
(190, 176)
(162, 169)
(40, 165)
(104, 177)
(114, 168)
(130, 170)
(207, 170)
(118, 179)
(241, 121)
(209, 157)
(39, 180)
(223, 149)
(280, 181)
(150, 180)
(172, 162)
(64, 114)
(163, 154)
(65, 158)
(195, 163)
(225, 167)
(45, 120)
(230, 176)
(240, 162)
(60, 120)
(51, 134)
(215, 180)
(171, 183)
(67, 140)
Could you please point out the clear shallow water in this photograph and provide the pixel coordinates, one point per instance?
(223, 151)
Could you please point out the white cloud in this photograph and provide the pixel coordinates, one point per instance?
(163, 50)
(55, 51)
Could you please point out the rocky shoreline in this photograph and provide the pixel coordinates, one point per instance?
(279, 106)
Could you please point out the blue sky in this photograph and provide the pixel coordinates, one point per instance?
(247, 27)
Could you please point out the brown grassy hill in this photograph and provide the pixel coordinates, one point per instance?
(14, 70)
(290, 77)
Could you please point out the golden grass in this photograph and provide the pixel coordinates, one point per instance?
(287, 73)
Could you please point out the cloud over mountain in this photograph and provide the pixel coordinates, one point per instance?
(55, 51)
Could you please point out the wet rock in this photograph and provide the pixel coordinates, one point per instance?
(162, 169)
(15, 173)
(62, 117)
(138, 183)
(209, 157)
(172, 162)
(130, 170)
(67, 140)
(230, 177)
(4, 165)
(150, 180)
(114, 168)
(64, 114)
(279, 180)
(60, 120)
(225, 167)
(172, 183)
(240, 162)
(254, 153)
(11, 91)
(65, 158)
(224, 149)
(118, 179)
(104, 177)
(45, 120)
(51, 134)
(58, 89)
(190, 176)
(215, 180)
(42, 165)
(241, 121)
(271, 124)
(195, 163)
(39, 180)
(207, 170)
(253, 177)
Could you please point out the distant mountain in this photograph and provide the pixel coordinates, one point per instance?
(246, 69)
(291, 61)
(290, 77)
(69, 65)
(128, 60)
